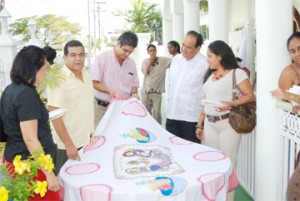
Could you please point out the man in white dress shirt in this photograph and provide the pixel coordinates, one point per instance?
(185, 93)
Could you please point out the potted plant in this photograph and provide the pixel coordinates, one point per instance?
(18, 181)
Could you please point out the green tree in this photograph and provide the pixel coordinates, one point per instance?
(143, 17)
(57, 26)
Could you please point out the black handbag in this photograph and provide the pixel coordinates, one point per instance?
(242, 118)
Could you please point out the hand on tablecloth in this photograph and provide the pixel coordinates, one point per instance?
(112, 94)
(135, 95)
(72, 152)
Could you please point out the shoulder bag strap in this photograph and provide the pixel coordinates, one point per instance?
(234, 87)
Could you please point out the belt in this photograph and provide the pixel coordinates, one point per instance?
(214, 119)
(153, 91)
(102, 102)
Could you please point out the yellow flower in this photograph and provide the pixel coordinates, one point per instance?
(3, 194)
(17, 159)
(46, 162)
(41, 188)
(20, 167)
(49, 166)
(27, 164)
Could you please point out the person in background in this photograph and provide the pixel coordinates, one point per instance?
(75, 94)
(174, 48)
(185, 92)
(24, 116)
(114, 74)
(217, 131)
(51, 54)
(293, 190)
(290, 75)
(154, 70)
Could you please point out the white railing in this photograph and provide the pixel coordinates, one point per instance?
(290, 133)
(290, 130)
(246, 163)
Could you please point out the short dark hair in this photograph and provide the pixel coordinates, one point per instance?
(150, 45)
(72, 43)
(199, 38)
(51, 54)
(294, 35)
(175, 44)
(26, 64)
(128, 38)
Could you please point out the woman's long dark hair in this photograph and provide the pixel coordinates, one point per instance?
(228, 60)
(26, 64)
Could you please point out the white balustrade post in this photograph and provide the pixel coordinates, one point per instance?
(32, 29)
(8, 47)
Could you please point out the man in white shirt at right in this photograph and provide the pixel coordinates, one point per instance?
(185, 92)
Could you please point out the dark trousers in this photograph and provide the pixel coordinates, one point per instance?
(61, 158)
(183, 129)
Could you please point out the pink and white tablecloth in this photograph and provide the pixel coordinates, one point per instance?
(133, 158)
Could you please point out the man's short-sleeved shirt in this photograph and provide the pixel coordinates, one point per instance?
(76, 96)
(20, 102)
(118, 78)
(185, 87)
(155, 80)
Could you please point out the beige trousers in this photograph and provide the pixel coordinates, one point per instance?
(222, 136)
(152, 102)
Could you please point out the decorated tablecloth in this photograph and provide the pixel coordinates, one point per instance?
(133, 158)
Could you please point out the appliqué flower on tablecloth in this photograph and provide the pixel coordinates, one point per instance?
(18, 183)
(168, 186)
(140, 135)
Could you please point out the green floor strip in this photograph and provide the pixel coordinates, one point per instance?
(241, 195)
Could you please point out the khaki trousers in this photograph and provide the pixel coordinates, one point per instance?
(152, 102)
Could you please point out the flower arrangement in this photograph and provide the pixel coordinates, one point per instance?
(19, 183)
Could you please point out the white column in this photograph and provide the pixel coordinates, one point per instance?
(8, 51)
(191, 15)
(218, 20)
(167, 25)
(177, 20)
(273, 27)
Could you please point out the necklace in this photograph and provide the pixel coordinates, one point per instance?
(217, 76)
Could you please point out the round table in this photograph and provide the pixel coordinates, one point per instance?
(133, 158)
